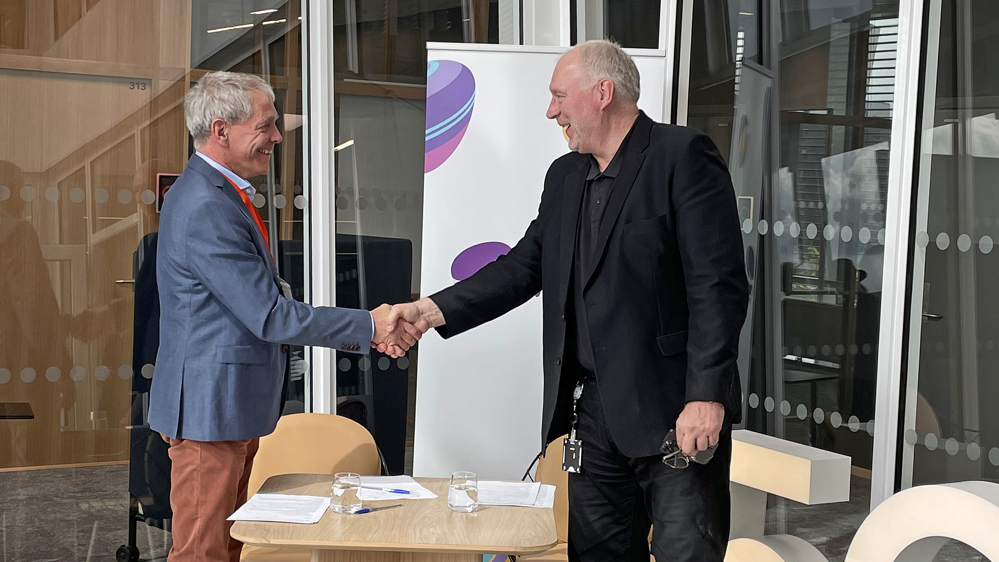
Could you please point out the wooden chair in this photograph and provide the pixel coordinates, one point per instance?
(309, 444)
(550, 472)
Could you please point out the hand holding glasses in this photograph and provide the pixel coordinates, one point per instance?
(673, 456)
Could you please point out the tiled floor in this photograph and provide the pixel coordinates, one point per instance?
(81, 514)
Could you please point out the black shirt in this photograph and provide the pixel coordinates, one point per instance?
(596, 192)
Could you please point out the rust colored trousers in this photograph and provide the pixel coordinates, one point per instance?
(208, 482)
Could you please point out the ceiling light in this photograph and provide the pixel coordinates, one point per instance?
(261, 12)
(272, 22)
(340, 147)
(230, 28)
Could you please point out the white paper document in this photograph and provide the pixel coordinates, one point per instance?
(369, 489)
(523, 494)
(282, 508)
(546, 496)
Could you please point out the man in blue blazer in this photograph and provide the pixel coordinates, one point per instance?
(226, 317)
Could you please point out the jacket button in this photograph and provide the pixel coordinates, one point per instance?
(563, 317)
(558, 361)
(284, 348)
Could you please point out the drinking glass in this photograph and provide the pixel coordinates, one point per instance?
(463, 493)
(346, 485)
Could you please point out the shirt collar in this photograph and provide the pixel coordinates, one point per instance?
(238, 181)
(615, 164)
(610, 172)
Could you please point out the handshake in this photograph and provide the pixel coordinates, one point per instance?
(399, 327)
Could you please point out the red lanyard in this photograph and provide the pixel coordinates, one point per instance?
(254, 214)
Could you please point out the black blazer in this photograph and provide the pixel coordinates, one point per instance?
(666, 295)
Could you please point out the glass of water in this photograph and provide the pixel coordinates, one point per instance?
(463, 494)
(346, 485)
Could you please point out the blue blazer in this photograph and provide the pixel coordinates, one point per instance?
(220, 368)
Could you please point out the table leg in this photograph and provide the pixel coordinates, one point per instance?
(373, 556)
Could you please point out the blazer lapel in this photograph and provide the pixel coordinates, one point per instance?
(572, 198)
(219, 181)
(633, 158)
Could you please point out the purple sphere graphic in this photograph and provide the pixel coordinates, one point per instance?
(450, 98)
(475, 258)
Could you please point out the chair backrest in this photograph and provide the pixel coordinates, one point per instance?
(550, 472)
(314, 444)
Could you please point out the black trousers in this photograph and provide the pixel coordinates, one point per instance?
(615, 499)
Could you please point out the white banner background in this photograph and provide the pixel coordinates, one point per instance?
(478, 402)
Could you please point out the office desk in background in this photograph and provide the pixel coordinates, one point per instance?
(419, 531)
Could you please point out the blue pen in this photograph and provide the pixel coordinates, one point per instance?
(390, 490)
(368, 509)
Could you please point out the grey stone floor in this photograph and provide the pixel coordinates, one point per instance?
(81, 514)
(830, 528)
(70, 514)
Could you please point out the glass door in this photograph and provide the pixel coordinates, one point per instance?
(798, 97)
(91, 101)
(951, 425)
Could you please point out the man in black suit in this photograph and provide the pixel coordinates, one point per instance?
(638, 253)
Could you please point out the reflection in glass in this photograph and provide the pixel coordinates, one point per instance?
(807, 146)
(951, 390)
(380, 68)
(92, 100)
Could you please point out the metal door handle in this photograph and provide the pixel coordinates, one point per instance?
(933, 317)
(124, 281)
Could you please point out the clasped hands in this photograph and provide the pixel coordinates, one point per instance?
(399, 327)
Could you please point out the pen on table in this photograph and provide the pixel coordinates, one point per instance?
(390, 490)
(379, 508)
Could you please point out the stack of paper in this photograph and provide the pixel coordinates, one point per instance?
(282, 508)
(370, 489)
(522, 494)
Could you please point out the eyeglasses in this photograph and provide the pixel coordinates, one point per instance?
(673, 456)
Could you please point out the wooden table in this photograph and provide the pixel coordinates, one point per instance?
(419, 531)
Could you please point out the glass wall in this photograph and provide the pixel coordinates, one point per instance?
(380, 73)
(91, 93)
(632, 23)
(798, 97)
(951, 425)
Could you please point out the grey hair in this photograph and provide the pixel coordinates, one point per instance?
(601, 59)
(221, 95)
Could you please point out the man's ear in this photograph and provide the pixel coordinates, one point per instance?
(605, 92)
(219, 132)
